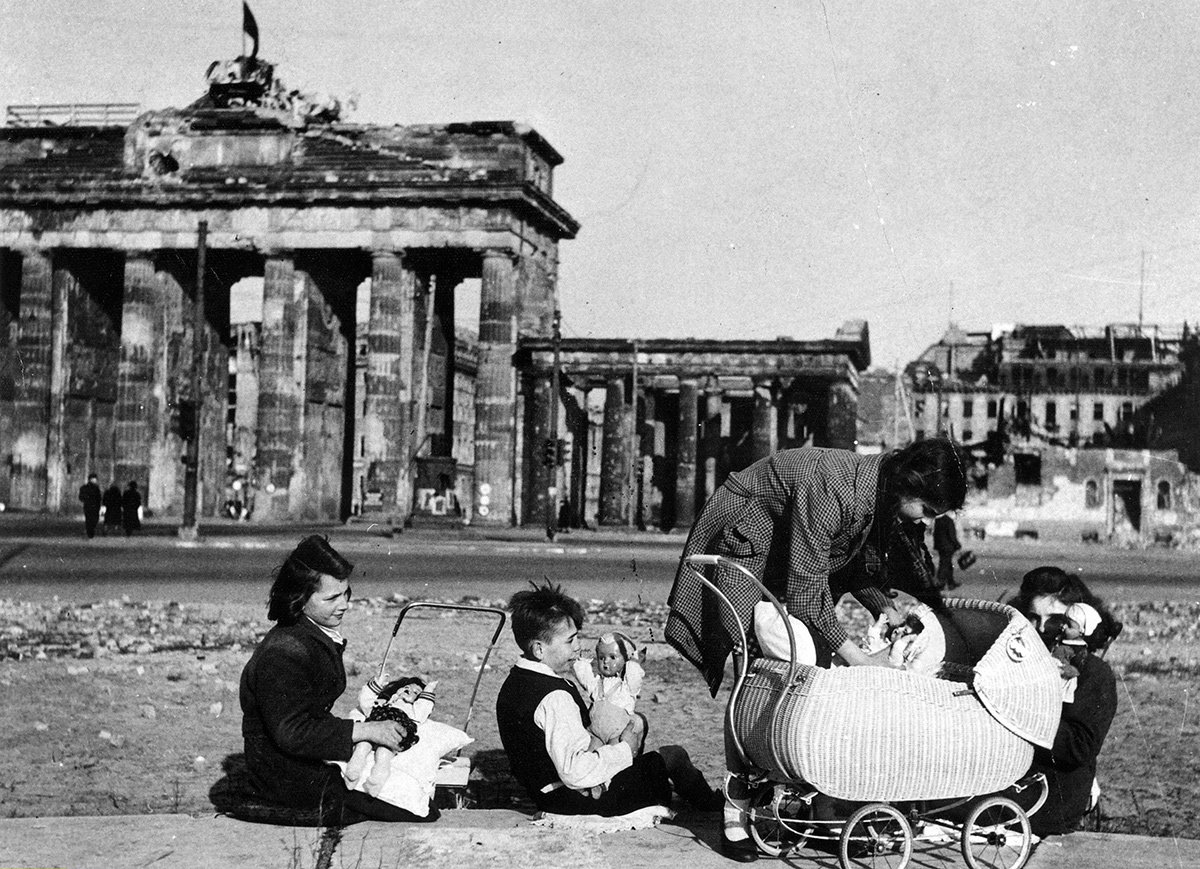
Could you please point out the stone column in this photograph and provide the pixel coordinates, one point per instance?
(388, 388)
(137, 418)
(762, 437)
(278, 403)
(712, 436)
(63, 286)
(842, 417)
(31, 399)
(537, 432)
(495, 392)
(166, 446)
(685, 467)
(614, 457)
(649, 513)
(577, 420)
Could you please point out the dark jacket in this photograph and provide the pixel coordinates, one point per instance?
(796, 520)
(89, 494)
(523, 740)
(131, 500)
(288, 688)
(112, 505)
(1070, 765)
(945, 536)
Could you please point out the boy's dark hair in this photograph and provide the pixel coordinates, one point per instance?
(538, 610)
(300, 575)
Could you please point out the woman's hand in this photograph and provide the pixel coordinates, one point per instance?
(387, 734)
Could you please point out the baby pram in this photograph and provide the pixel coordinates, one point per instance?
(454, 773)
(907, 752)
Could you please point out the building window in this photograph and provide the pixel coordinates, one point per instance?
(1052, 377)
(1051, 415)
(1074, 412)
(1091, 494)
(1122, 378)
(1098, 411)
(993, 408)
(968, 408)
(968, 436)
(919, 405)
(1101, 377)
(1127, 411)
(1164, 495)
(1028, 469)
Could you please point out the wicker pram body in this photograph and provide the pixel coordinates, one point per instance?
(867, 733)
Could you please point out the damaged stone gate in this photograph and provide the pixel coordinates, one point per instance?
(386, 414)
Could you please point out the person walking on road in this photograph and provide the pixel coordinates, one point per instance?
(945, 543)
(131, 509)
(89, 495)
(112, 508)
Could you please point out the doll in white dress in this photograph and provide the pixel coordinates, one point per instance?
(610, 684)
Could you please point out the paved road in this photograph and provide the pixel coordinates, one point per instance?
(236, 567)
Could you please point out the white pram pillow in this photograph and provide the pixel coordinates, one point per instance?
(772, 635)
(411, 782)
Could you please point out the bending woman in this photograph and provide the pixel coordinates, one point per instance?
(812, 524)
(289, 687)
(1070, 766)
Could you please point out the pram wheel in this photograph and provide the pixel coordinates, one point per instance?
(778, 819)
(996, 835)
(877, 836)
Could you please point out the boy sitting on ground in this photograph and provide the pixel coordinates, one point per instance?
(543, 726)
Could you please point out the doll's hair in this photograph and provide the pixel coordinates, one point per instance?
(300, 575)
(392, 688)
(1067, 589)
(537, 611)
(623, 643)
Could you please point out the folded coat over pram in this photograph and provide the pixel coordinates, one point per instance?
(868, 733)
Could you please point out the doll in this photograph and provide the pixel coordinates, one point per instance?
(407, 700)
(917, 644)
(611, 683)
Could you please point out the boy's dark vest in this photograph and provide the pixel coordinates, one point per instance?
(523, 741)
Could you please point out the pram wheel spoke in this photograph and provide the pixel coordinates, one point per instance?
(996, 835)
(876, 836)
(778, 819)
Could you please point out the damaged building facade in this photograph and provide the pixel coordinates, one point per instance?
(353, 390)
(1054, 418)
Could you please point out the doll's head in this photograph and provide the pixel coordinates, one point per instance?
(403, 690)
(911, 626)
(613, 652)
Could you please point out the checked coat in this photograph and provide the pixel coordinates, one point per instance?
(797, 520)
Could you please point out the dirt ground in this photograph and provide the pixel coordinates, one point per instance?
(124, 707)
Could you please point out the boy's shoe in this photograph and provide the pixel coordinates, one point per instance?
(740, 851)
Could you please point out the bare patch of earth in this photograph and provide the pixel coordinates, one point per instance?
(121, 707)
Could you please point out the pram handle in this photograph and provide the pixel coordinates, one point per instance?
(499, 613)
(702, 560)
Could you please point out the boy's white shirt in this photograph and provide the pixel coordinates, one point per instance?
(568, 742)
(620, 691)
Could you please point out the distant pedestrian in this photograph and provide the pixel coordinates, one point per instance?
(131, 509)
(112, 508)
(945, 543)
(89, 495)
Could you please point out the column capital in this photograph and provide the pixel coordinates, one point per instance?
(498, 252)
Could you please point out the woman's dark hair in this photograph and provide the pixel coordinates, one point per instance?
(300, 575)
(537, 611)
(1069, 589)
(931, 470)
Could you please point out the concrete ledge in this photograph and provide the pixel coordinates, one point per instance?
(470, 839)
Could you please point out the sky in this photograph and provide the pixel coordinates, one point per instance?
(755, 170)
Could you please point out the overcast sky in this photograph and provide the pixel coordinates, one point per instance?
(751, 169)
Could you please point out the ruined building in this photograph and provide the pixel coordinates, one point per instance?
(317, 410)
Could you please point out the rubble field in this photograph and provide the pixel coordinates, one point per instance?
(127, 707)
